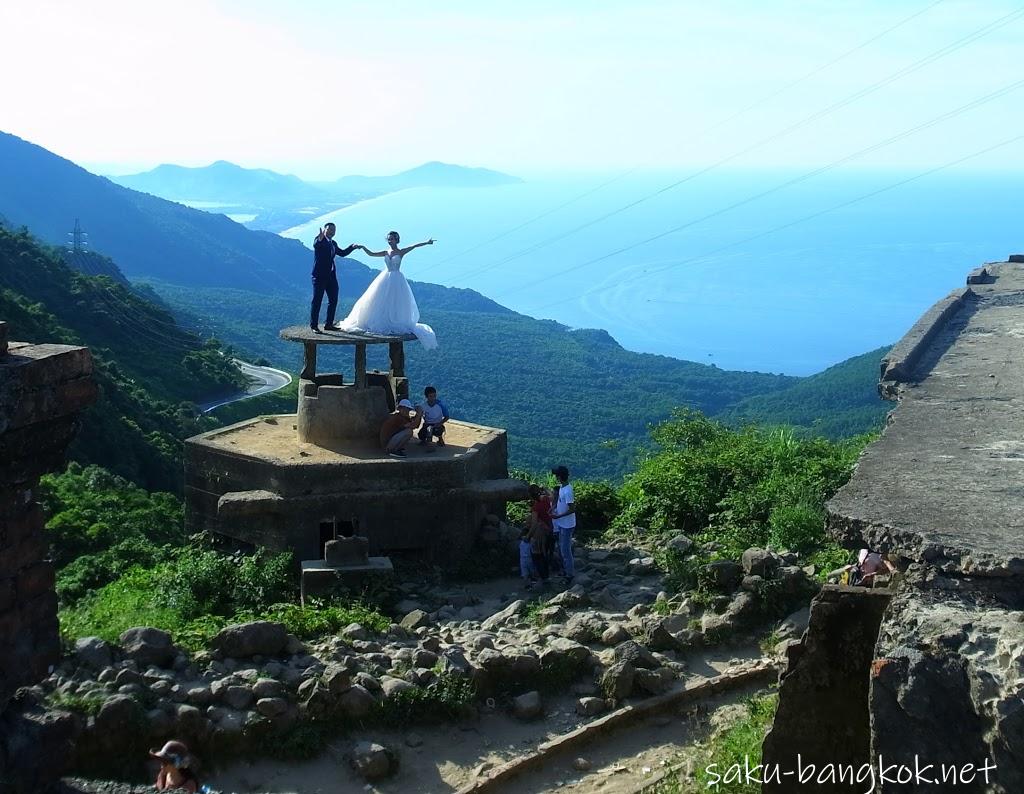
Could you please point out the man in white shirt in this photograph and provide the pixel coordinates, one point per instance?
(435, 415)
(563, 517)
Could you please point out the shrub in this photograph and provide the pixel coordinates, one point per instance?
(735, 488)
(597, 504)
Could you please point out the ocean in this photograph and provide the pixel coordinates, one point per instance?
(779, 282)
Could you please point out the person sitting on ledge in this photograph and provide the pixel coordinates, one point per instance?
(398, 429)
(869, 565)
(435, 414)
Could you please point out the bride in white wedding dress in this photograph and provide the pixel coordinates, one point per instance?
(388, 306)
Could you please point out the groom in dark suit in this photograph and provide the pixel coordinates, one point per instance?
(325, 277)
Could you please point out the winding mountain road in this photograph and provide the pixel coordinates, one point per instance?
(263, 381)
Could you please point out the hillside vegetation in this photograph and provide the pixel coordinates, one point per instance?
(839, 402)
(563, 395)
(150, 372)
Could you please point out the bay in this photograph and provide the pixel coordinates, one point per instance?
(754, 277)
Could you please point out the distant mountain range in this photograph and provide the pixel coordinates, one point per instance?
(264, 199)
(145, 235)
(223, 182)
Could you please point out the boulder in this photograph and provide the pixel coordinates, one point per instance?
(527, 706)
(94, 653)
(654, 682)
(395, 686)
(561, 651)
(584, 627)
(636, 654)
(759, 562)
(199, 696)
(337, 678)
(575, 597)
(148, 646)
(415, 620)
(723, 575)
(794, 625)
(642, 566)
(373, 761)
(271, 707)
(355, 632)
(119, 719)
(614, 634)
(267, 688)
(618, 680)
(502, 617)
(260, 637)
(454, 661)
(356, 702)
(657, 637)
(316, 698)
(190, 721)
(590, 706)
(238, 696)
(680, 544)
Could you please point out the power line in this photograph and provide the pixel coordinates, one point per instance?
(707, 131)
(860, 94)
(788, 183)
(804, 219)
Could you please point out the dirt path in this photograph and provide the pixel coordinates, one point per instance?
(446, 757)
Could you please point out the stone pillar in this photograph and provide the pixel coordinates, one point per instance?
(42, 389)
(823, 694)
(308, 361)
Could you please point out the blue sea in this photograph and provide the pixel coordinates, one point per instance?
(792, 281)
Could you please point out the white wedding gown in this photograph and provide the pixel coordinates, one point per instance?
(388, 307)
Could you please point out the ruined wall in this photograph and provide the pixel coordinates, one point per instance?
(823, 693)
(941, 492)
(42, 389)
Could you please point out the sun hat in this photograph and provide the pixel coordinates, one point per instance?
(176, 753)
(405, 404)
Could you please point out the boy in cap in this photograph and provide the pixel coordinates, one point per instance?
(398, 427)
(563, 518)
(176, 765)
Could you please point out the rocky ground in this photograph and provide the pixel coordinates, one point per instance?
(539, 665)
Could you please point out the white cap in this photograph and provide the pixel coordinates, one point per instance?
(405, 404)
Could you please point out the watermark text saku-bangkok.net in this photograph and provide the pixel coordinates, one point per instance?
(867, 778)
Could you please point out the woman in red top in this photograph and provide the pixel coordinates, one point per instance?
(541, 537)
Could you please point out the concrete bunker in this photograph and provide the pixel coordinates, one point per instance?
(296, 482)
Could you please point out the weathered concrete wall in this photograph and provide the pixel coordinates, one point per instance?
(942, 493)
(823, 694)
(241, 484)
(42, 389)
(949, 677)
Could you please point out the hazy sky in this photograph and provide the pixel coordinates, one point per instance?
(327, 87)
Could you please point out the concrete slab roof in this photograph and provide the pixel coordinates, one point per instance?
(274, 438)
(305, 334)
(945, 482)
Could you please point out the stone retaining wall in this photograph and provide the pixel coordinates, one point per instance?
(42, 389)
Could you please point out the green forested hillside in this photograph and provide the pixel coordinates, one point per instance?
(574, 396)
(149, 370)
(840, 402)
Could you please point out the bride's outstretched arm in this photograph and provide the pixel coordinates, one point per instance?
(368, 252)
(404, 251)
